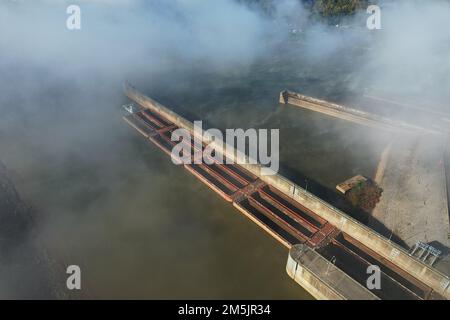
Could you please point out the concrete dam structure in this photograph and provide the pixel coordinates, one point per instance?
(351, 114)
(329, 251)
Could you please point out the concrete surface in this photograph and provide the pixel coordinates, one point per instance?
(414, 205)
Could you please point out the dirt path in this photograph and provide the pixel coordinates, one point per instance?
(381, 168)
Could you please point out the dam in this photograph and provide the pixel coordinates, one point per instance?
(411, 171)
(329, 251)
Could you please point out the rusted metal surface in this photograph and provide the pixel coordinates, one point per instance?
(235, 184)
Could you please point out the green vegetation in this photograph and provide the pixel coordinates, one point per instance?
(365, 195)
(338, 8)
(330, 9)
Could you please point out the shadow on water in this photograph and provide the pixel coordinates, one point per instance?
(324, 193)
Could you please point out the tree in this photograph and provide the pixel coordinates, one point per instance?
(337, 8)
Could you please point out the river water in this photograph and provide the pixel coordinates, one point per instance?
(141, 227)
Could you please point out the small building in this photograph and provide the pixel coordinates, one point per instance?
(362, 192)
(351, 183)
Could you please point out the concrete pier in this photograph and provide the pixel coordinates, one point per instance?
(322, 278)
(350, 114)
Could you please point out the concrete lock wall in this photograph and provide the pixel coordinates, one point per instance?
(310, 282)
(387, 249)
(351, 114)
(321, 278)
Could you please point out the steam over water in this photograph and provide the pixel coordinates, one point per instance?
(110, 202)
